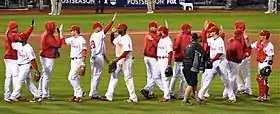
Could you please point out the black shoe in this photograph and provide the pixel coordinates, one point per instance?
(145, 93)
(93, 97)
(172, 97)
(180, 98)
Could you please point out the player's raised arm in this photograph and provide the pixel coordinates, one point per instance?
(109, 25)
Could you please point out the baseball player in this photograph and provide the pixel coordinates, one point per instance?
(56, 7)
(164, 56)
(235, 54)
(26, 60)
(150, 56)
(48, 53)
(265, 54)
(10, 58)
(124, 61)
(78, 55)
(193, 61)
(180, 42)
(244, 66)
(97, 45)
(272, 7)
(151, 6)
(220, 64)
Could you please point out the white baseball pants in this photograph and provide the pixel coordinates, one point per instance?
(203, 77)
(24, 75)
(123, 66)
(159, 78)
(244, 66)
(233, 74)
(74, 78)
(151, 5)
(47, 69)
(221, 67)
(178, 72)
(272, 5)
(56, 7)
(96, 72)
(150, 66)
(11, 76)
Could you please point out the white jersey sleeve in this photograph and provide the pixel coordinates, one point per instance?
(30, 53)
(127, 45)
(83, 44)
(69, 41)
(169, 45)
(269, 49)
(16, 45)
(254, 45)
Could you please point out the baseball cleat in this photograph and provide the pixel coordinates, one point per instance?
(8, 100)
(19, 99)
(130, 101)
(164, 100)
(150, 12)
(200, 102)
(104, 98)
(35, 100)
(152, 96)
(209, 97)
(172, 97)
(230, 101)
(145, 93)
(78, 99)
(180, 98)
(93, 97)
(72, 99)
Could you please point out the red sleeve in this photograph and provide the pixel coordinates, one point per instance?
(222, 35)
(176, 43)
(123, 55)
(84, 53)
(63, 41)
(204, 36)
(54, 42)
(170, 57)
(34, 64)
(218, 55)
(156, 37)
(13, 37)
(108, 26)
(29, 30)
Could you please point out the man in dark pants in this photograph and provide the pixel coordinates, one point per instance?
(193, 63)
(99, 4)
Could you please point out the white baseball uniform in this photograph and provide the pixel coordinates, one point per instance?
(11, 76)
(269, 51)
(164, 47)
(77, 45)
(220, 67)
(97, 45)
(25, 55)
(122, 44)
(244, 66)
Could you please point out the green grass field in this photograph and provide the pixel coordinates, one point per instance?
(62, 90)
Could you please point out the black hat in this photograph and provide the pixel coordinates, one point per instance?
(195, 36)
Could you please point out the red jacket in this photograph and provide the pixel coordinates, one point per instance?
(234, 50)
(13, 36)
(49, 45)
(180, 43)
(150, 46)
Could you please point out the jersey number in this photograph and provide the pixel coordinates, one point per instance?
(92, 44)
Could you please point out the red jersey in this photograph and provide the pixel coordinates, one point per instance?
(13, 36)
(150, 46)
(261, 55)
(234, 50)
(49, 45)
(180, 43)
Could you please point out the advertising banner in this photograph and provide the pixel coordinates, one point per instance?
(121, 3)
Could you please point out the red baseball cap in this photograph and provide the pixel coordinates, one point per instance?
(265, 33)
(23, 36)
(210, 25)
(122, 26)
(75, 28)
(13, 25)
(186, 26)
(239, 25)
(153, 24)
(163, 28)
(238, 32)
(96, 24)
(213, 29)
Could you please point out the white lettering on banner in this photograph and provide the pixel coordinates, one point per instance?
(143, 2)
(78, 1)
(171, 2)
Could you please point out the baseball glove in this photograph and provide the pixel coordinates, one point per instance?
(209, 64)
(168, 72)
(112, 67)
(81, 70)
(37, 76)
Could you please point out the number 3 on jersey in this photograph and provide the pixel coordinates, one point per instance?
(92, 44)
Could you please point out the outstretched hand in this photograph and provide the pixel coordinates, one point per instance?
(114, 30)
(222, 29)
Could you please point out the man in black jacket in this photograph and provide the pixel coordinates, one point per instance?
(193, 64)
(99, 5)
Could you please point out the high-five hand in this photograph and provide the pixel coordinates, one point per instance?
(222, 29)
(113, 19)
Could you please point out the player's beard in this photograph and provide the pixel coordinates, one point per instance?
(120, 32)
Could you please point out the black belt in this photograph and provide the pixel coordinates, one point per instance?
(76, 58)
(264, 61)
(23, 64)
(161, 57)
